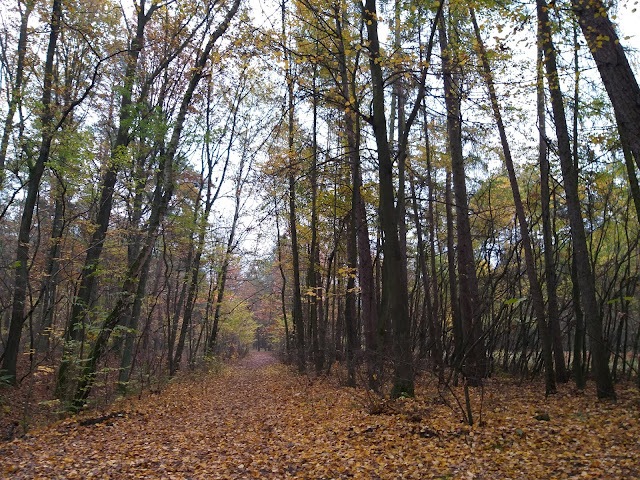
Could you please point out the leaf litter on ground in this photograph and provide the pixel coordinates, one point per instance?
(260, 420)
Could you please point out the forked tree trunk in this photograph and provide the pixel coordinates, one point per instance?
(395, 295)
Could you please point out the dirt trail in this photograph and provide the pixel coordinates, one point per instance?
(211, 427)
(260, 420)
(258, 359)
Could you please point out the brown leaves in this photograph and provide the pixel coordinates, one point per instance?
(258, 420)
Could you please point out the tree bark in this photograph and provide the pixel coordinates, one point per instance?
(474, 363)
(315, 288)
(458, 337)
(536, 290)
(283, 288)
(615, 71)
(298, 321)
(395, 295)
(33, 187)
(438, 346)
(50, 280)
(586, 279)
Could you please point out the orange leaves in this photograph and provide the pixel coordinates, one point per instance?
(259, 420)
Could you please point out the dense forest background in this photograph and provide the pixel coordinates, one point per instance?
(402, 187)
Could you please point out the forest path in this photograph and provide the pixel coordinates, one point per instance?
(258, 419)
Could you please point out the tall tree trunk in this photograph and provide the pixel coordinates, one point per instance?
(298, 321)
(350, 301)
(536, 290)
(474, 364)
(182, 282)
(395, 295)
(458, 336)
(586, 279)
(432, 326)
(33, 187)
(315, 289)
(438, 346)
(130, 336)
(283, 288)
(547, 233)
(359, 217)
(50, 280)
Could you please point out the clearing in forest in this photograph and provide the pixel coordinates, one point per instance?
(260, 420)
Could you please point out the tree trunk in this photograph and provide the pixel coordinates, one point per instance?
(283, 289)
(133, 248)
(314, 288)
(432, 325)
(473, 358)
(33, 187)
(50, 280)
(458, 337)
(585, 274)
(438, 346)
(549, 258)
(298, 321)
(395, 295)
(631, 169)
(130, 336)
(364, 262)
(350, 310)
(536, 290)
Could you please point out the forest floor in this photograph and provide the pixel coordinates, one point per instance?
(258, 419)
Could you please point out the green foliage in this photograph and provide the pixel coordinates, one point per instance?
(213, 364)
(237, 328)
